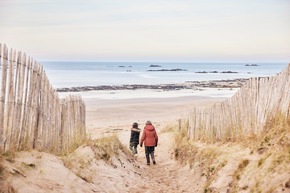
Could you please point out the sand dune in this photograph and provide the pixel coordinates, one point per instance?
(84, 171)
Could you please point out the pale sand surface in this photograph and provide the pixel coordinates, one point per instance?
(107, 116)
(104, 117)
(41, 172)
(111, 115)
(153, 93)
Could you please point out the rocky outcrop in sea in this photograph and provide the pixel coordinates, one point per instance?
(236, 83)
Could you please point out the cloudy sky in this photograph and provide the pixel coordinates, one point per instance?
(148, 30)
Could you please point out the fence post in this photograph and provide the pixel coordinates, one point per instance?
(2, 98)
(31, 113)
(246, 112)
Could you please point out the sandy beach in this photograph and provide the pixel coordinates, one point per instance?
(117, 115)
(213, 78)
(106, 114)
(113, 109)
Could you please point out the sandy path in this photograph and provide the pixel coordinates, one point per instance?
(163, 176)
(107, 116)
(167, 176)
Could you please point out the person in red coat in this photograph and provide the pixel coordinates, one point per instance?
(150, 139)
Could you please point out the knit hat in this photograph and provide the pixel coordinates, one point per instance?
(135, 125)
(148, 123)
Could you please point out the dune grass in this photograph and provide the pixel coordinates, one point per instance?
(107, 147)
(83, 160)
(268, 158)
(5, 186)
(102, 149)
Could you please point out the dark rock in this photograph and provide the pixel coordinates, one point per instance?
(236, 83)
(228, 72)
(154, 66)
(202, 72)
(176, 69)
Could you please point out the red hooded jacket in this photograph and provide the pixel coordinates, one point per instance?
(149, 136)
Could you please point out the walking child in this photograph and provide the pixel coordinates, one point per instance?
(150, 139)
(134, 139)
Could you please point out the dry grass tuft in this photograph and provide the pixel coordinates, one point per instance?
(77, 142)
(276, 132)
(274, 142)
(233, 186)
(184, 149)
(262, 168)
(83, 160)
(103, 149)
(178, 125)
(5, 186)
(169, 128)
(9, 156)
(187, 151)
(107, 147)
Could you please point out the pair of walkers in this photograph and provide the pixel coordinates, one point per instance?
(149, 137)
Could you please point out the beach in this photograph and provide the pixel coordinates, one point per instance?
(111, 111)
(104, 163)
(117, 94)
(117, 115)
(107, 116)
(81, 171)
(211, 79)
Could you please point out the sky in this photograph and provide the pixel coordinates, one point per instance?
(148, 30)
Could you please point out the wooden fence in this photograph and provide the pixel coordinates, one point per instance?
(32, 116)
(244, 113)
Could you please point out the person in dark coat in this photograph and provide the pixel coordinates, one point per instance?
(134, 139)
(150, 139)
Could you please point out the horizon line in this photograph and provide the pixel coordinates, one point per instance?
(90, 61)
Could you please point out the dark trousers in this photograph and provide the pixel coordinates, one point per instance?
(133, 148)
(149, 150)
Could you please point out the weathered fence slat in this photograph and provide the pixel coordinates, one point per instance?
(3, 117)
(31, 113)
(246, 112)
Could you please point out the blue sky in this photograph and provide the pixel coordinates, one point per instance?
(148, 30)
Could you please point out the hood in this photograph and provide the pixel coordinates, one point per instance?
(149, 127)
(136, 129)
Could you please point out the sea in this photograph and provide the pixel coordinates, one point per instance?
(79, 74)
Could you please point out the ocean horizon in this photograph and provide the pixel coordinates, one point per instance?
(79, 74)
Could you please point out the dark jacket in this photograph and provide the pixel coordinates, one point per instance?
(135, 135)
